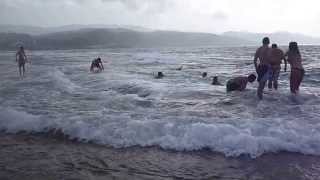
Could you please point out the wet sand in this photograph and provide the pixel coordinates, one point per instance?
(33, 157)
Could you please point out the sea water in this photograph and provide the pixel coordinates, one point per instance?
(126, 106)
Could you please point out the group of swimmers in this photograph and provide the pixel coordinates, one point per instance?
(267, 63)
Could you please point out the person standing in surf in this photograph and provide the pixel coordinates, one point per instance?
(297, 72)
(263, 69)
(21, 58)
(276, 57)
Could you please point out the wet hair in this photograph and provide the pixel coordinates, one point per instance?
(252, 78)
(21, 47)
(274, 46)
(99, 58)
(204, 74)
(215, 80)
(160, 74)
(293, 47)
(265, 40)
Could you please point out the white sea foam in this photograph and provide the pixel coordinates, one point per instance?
(61, 81)
(14, 121)
(252, 137)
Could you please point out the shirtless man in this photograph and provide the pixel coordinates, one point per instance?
(276, 57)
(240, 83)
(96, 63)
(263, 68)
(21, 58)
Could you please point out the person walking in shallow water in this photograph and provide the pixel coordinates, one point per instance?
(21, 58)
(297, 72)
(263, 69)
(276, 56)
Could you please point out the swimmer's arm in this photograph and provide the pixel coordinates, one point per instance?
(102, 65)
(25, 56)
(255, 60)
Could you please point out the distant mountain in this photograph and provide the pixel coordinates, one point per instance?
(281, 38)
(34, 30)
(114, 38)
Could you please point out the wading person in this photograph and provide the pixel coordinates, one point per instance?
(263, 68)
(276, 56)
(21, 58)
(297, 72)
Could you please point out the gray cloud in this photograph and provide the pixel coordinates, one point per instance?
(185, 15)
(220, 16)
(154, 6)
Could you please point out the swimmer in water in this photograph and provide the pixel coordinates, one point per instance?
(96, 63)
(159, 75)
(215, 81)
(240, 83)
(204, 74)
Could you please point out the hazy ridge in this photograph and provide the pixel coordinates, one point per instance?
(116, 36)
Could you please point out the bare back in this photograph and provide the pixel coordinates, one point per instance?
(294, 60)
(21, 56)
(276, 56)
(262, 54)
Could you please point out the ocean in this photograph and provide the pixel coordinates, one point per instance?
(125, 108)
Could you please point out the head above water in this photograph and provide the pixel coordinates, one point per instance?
(160, 74)
(204, 74)
(251, 78)
(265, 41)
(274, 46)
(215, 80)
(293, 47)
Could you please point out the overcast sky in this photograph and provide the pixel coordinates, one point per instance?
(214, 16)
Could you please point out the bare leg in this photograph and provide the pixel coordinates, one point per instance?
(293, 82)
(20, 73)
(91, 67)
(275, 84)
(23, 68)
(260, 89)
(270, 84)
(299, 80)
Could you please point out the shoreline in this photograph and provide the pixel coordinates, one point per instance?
(34, 156)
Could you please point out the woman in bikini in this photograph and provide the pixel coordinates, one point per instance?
(297, 72)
